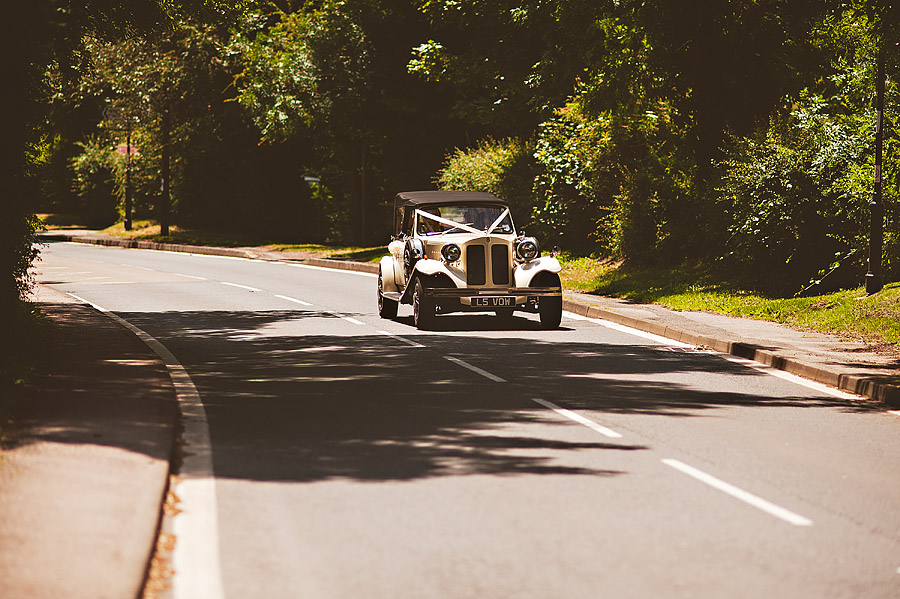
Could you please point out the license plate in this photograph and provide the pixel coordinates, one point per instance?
(494, 302)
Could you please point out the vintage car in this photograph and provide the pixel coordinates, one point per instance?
(458, 251)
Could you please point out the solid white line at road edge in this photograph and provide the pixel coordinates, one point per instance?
(195, 558)
(749, 498)
(758, 366)
(608, 432)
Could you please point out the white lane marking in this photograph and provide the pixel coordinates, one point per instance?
(399, 338)
(338, 270)
(347, 318)
(787, 376)
(578, 418)
(475, 369)
(749, 498)
(178, 274)
(293, 299)
(240, 286)
(195, 558)
(631, 331)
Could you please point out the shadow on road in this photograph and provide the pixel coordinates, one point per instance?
(285, 405)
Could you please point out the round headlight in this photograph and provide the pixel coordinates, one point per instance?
(451, 252)
(528, 249)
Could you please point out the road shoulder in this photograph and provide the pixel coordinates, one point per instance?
(85, 461)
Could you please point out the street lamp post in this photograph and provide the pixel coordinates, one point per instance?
(128, 208)
(874, 278)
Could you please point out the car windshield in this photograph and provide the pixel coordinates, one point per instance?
(437, 220)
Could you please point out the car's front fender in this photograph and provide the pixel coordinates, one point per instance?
(526, 272)
(388, 282)
(430, 268)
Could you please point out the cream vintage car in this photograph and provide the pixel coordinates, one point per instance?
(458, 251)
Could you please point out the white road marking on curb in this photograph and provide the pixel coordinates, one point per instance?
(91, 304)
(608, 432)
(195, 558)
(759, 366)
(399, 338)
(624, 329)
(749, 498)
(475, 369)
(894, 412)
(241, 286)
(178, 274)
(338, 270)
(787, 376)
(292, 299)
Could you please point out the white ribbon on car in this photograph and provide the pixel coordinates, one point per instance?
(502, 216)
(463, 226)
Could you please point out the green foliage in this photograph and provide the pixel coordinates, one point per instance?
(94, 171)
(504, 168)
(613, 182)
(797, 193)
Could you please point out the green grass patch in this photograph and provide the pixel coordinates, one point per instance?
(850, 313)
(151, 231)
(147, 230)
(356, 254)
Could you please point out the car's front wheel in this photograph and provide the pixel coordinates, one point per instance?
(387, 308)
(549, 306)
(423, 307)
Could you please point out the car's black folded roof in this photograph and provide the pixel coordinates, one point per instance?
(422, 198)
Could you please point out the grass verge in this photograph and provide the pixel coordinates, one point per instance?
(850, 313)
(150, 231)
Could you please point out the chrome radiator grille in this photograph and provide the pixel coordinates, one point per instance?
(477, 266)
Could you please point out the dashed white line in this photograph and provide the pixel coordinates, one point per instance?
(248, 288)
(347, 318)
(475, 369)
(748, 498)
(399, 338)
(178, 274)
(607, 432)
(293, 299)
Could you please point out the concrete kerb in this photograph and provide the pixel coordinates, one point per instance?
(867, 386)
(871, 386)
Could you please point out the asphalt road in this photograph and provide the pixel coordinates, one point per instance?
(359, 457)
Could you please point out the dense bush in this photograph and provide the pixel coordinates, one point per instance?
(94, 171)
(504, 168)
(612, 183)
